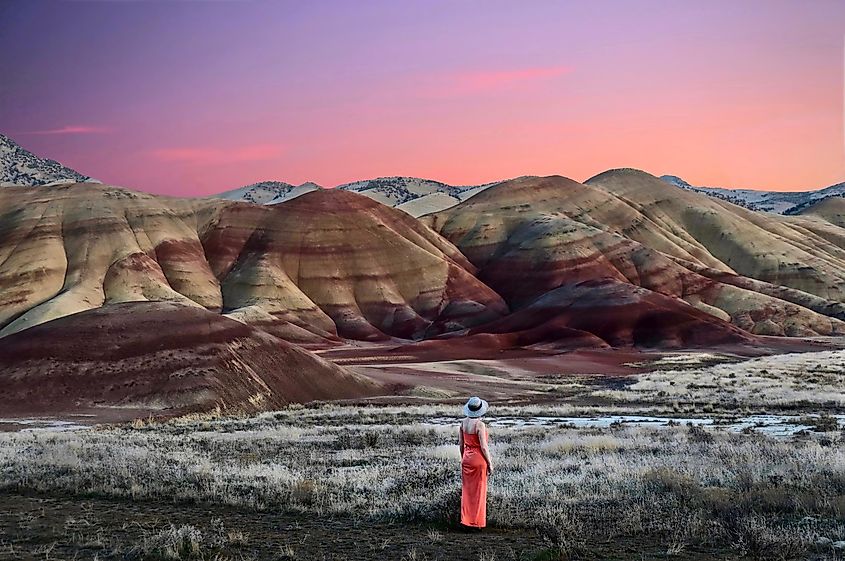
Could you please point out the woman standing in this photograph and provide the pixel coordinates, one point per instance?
(476, 464)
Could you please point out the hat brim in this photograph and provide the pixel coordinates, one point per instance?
(481, 410)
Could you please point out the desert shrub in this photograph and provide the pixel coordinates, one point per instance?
(697, 433)
(444, 507)
(822, 423)
(185, 542)
(565, 533)
(182, 542)
(305, 492)
(666, 480)
(756, 537)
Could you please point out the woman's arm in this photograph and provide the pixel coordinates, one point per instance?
(485, 450)
(461, 440)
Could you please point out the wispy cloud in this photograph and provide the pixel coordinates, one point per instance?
(72, 129)
(206, 155)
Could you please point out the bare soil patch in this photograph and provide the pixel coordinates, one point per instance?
(42, 526)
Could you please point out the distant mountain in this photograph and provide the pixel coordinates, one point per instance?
(267, 192)
(19, 166)
(412, 195)
(766, 201)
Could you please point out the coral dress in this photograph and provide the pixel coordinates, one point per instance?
(473, 482)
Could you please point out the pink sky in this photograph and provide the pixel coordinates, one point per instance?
(190, 98)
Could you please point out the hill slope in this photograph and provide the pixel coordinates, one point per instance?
(662, 266)
(410, 194)
(323, 265)
(831, 210)
(533, 235)
(778, 202)
(164, 358)
(267, 192)
(19, 166)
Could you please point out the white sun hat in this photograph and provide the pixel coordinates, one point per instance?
(475, 407)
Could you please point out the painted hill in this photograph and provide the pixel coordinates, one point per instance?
(425, 196)
(605, 312)
(332, 264)
(161, 357)
(777, 202)
(337, 263)
(19, 166)
(114, 298)
(761, 246)
(325, 265)
(534, 235)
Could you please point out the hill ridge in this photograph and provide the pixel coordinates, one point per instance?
(19, 166)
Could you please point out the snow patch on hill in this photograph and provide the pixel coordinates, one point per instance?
(411, 194)
(777, 202)
(19, 166)
(268, 192)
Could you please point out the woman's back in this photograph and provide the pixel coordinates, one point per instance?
(472, 426)
(472, 429)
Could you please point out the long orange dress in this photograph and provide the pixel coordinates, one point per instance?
(473, 482)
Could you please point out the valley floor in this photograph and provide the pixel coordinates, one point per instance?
(381, 482)
(687, 456)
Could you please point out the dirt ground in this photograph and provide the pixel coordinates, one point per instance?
(431, 372)
(45, 527)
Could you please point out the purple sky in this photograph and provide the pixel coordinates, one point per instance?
(193, 98)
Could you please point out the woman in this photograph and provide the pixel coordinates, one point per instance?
(476, 464)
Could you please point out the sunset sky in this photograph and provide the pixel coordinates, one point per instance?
(194, 98)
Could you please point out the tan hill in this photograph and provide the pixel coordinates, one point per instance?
(532, 235)
(779, 202)
(831, 209)
(323, 265)
(334, 261)
(766, 247)
(331, 264)
(164, 358)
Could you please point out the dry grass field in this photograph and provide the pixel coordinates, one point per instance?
(559, 492)
(368, 481)
(709, 382)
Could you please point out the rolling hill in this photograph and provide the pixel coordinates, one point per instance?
(115, 298)
(19, 166)
(321, 266)
(410, 194)
(161, 357)
(267, 192)
(765, 274)
(778, 202)
(831, 210)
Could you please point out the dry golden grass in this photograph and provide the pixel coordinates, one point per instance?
(768, 497)
(779, 382)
